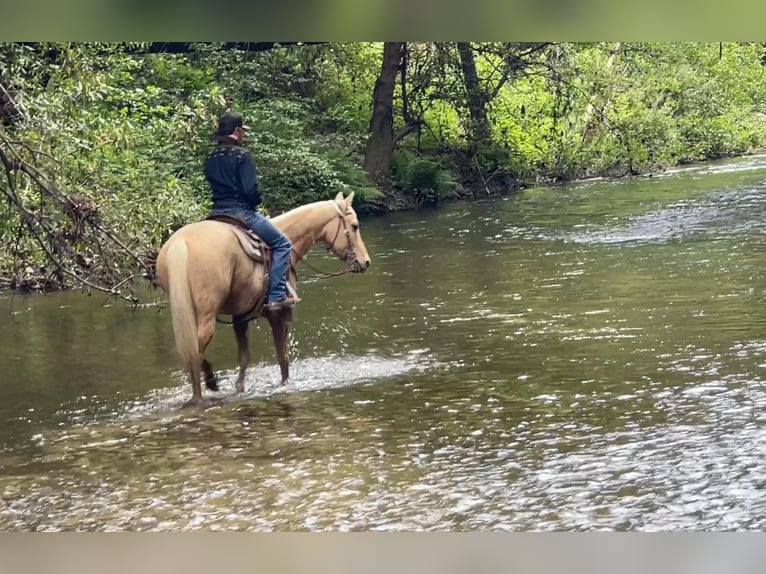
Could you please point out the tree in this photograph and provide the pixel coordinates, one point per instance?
(382, 135)
(476, 99)
(380, 145)
(503, 62)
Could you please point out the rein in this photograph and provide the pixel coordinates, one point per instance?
(324, 274)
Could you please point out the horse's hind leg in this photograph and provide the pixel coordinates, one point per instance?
(205, 332)
(279, 329)
(211, 381)
(243, 352)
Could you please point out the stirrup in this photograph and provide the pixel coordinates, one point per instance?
(286, 303)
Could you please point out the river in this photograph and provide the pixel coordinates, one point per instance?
(579, 357)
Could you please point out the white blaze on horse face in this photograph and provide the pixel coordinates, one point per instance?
(355, 237)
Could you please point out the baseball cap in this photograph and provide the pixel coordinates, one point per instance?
(228, 122)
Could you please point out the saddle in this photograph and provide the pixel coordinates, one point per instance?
(257, 250)
(255, 247)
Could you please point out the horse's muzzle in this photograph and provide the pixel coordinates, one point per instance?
(359, 266)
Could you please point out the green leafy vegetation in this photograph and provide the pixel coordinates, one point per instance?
(127, 127)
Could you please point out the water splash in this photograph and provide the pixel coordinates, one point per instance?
(307, 375)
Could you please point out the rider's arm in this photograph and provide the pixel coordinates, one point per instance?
(249, 181)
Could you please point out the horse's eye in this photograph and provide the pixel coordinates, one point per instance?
(355, 226)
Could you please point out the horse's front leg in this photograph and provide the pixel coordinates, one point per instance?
(279, 329)
(243, 352)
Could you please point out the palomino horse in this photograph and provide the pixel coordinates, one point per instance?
(206, 272)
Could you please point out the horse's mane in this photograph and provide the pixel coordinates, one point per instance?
(298, 214)
(297, 211)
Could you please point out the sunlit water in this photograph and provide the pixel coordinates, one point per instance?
(587, 357)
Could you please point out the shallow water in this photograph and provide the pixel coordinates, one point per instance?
(585, 357)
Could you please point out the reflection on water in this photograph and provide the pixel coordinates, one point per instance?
(585, 357)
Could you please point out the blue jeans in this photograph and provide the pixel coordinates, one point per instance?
(275, 239)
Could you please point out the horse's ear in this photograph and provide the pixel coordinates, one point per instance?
(349, 199)
(339, 198)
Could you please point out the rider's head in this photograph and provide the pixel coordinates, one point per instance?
(232, 125)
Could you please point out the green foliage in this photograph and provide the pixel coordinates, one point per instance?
(652, 106)
(296, 167)
(367, 198)
(428, 182)
(423, 175)
(131, 130)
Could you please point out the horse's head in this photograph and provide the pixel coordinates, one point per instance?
(342, 235)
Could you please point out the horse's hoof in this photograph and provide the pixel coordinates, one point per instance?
(193, 403)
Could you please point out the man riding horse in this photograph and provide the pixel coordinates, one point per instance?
(207, 270)
(233, 179)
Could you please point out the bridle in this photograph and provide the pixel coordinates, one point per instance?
(349, 256)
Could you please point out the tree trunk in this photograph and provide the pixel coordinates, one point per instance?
(380, 145)
(476, 96)
(11, 109)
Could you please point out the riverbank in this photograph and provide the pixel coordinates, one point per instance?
(34, 278)
(127, 130)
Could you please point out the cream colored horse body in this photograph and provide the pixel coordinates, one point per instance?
(205, 272)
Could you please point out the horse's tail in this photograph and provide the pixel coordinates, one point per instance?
(182, 307)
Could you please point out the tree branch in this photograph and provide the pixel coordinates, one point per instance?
(515, 63)
(190, 47)
(86, 228)
(408, 129)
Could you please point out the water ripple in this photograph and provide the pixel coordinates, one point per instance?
(586, 358)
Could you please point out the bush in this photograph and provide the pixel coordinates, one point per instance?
(428, 182)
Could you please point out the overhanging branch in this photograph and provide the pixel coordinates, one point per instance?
(75, 240)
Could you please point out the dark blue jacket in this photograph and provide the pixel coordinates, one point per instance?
(230, 171)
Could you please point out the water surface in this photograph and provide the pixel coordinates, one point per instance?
(584, 357)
